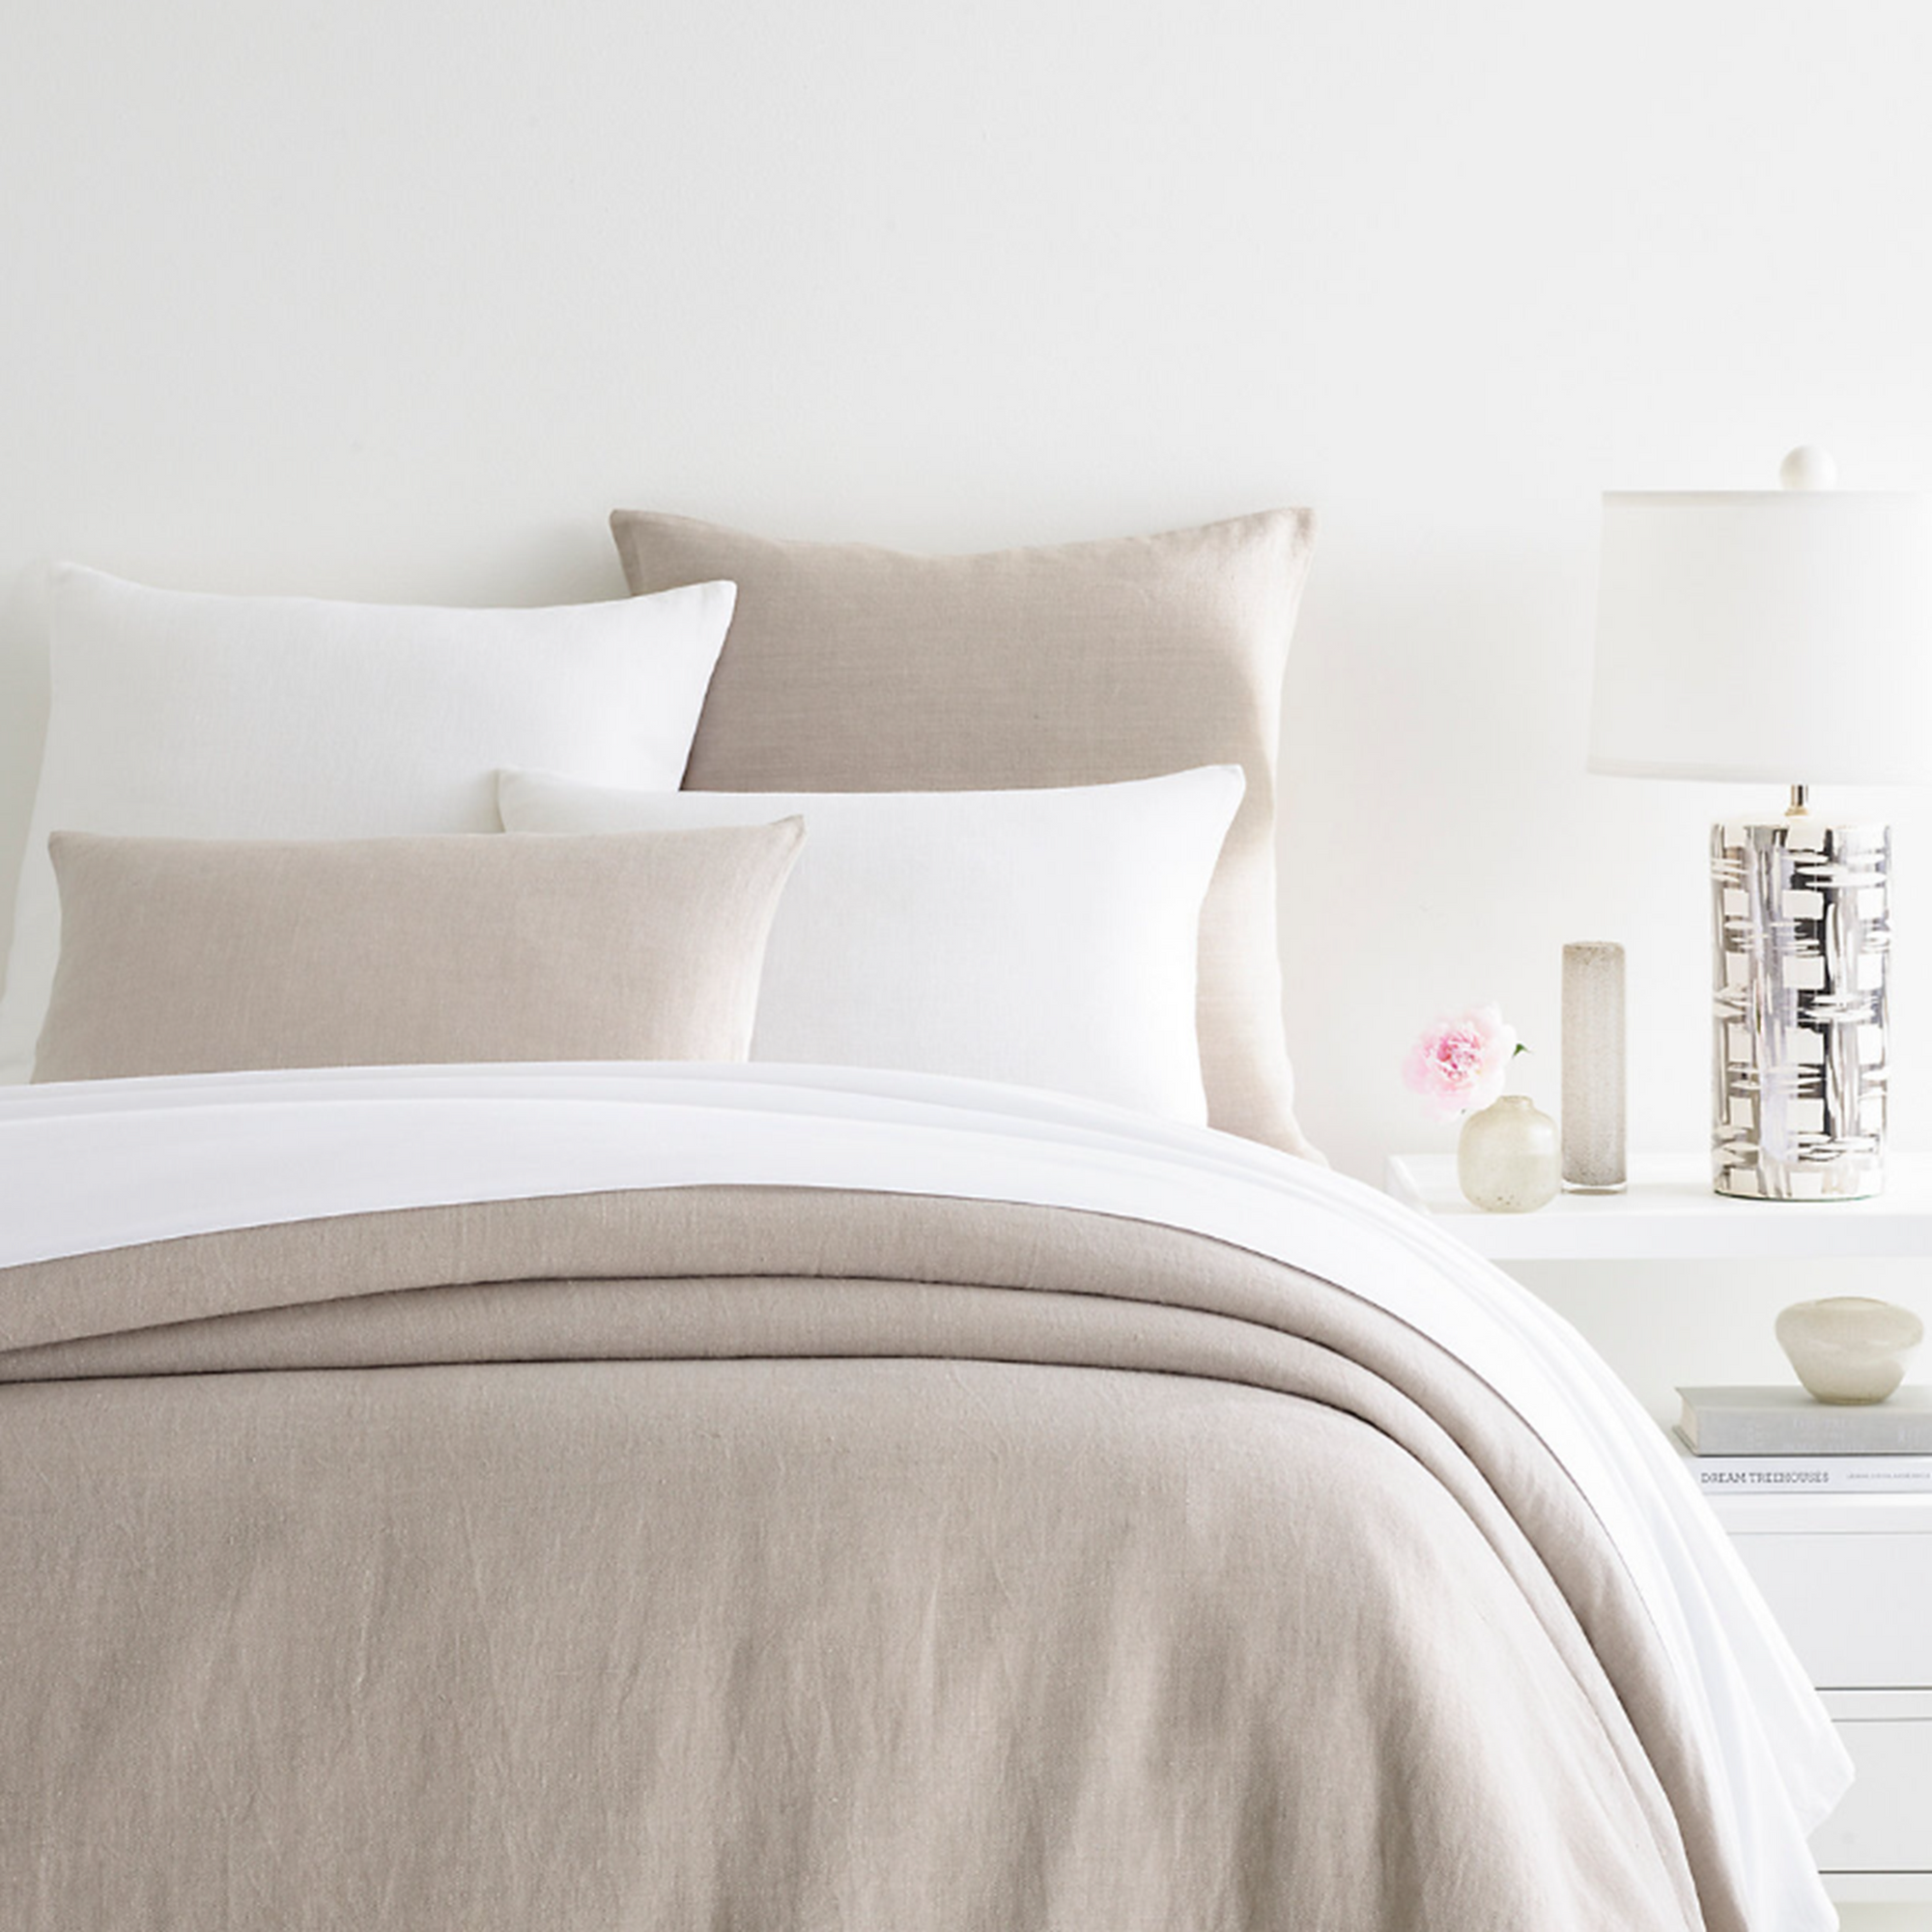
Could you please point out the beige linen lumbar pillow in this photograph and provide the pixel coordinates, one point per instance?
(211, 955)
(852, 668)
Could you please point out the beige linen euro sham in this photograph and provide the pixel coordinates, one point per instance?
(215, 955)
(853, 669)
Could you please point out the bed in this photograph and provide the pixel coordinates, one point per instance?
(847, 1401)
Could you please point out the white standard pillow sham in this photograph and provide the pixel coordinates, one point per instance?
(1045, 938)
(183, 715)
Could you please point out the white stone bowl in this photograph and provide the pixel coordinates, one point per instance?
(1849, 1348)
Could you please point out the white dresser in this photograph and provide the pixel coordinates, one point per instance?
(1849, 1578)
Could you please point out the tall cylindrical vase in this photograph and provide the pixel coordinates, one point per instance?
(1593, 1068)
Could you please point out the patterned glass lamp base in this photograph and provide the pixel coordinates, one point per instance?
(1802, 949)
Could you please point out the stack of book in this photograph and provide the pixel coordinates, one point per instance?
(1780, 1441)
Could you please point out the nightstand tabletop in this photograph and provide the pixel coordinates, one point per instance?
(1669, 1213)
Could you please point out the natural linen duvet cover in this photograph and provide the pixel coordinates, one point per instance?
(757, 1497)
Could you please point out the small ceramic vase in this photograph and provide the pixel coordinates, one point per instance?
(1849, 1348)
(1506, 1161)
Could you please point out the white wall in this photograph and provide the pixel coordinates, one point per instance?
(397, 300)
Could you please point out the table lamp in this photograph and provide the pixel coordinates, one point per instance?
(1779, 635)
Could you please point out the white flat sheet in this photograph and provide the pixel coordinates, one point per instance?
(86, 1168)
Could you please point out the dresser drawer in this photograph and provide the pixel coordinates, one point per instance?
(1858, 1608)
(1885, 1824)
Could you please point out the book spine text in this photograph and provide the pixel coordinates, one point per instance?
(1818, 1475)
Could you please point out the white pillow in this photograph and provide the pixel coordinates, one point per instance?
(201, 716)
(1044, 938)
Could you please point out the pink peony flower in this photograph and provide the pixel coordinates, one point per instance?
(1459, 1066)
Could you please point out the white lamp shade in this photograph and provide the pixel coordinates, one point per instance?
(1777, 635)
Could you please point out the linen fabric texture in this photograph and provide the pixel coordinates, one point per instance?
(186, 715)
(217, 956)
(758, 1556)
(85, 1169)
(1046, 938)
(850, 668)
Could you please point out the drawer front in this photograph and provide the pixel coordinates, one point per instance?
(1856, 1608)
(1885, 1824)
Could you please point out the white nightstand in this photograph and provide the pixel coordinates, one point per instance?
(1669, 1213)
(1849, 1577)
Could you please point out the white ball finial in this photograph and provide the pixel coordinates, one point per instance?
(1807, 468)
